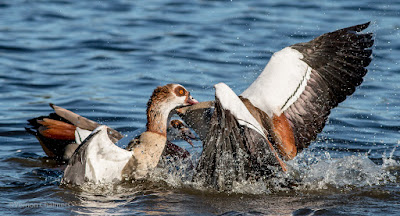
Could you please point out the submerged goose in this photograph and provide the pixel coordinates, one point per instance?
(61, 132)
(282, 111)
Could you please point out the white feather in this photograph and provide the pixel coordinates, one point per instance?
(81, 134)
(281, 83)
(230, 101)
(101, 162)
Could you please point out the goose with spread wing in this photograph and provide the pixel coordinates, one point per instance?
(282, 111)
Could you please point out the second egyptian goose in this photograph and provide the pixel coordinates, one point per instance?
(282, 111)
(99, 160)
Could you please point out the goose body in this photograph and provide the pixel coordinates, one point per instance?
(61, 133)
(97, 159)
(282, 111)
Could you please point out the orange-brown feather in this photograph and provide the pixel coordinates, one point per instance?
(266, 122)
(284, 132)
(280, 130)
(281, 162)
(55, 129)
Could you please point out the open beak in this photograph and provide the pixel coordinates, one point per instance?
(190, 100)
(187, 135)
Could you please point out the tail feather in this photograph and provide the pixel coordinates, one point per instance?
(53, 133)
(55, 129)
(82, 122)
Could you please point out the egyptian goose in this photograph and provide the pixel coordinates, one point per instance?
(176, 130)
(282, 111)
(99, 160)
(61, 132)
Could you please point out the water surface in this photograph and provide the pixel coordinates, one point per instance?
(102, 59)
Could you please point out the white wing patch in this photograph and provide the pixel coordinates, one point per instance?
(281, 83)
(101, 162)
(301, 87)
(230, 101)
(81, 134)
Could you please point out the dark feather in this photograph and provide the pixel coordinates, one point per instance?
(338, 60)
(232, 152)
(53, 148)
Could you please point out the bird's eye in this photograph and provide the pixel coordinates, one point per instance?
(180, 91)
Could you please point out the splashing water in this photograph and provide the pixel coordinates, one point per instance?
(388, 162)
(308, 171)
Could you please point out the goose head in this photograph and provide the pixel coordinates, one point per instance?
(181, 96)
(163, 100)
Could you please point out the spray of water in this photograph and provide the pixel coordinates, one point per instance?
(309, 171)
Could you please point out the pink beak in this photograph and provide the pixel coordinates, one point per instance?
(191, 101)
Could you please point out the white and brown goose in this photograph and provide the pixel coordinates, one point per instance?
(99, 160)
(176, 130)
(282, 111)
(60, 134)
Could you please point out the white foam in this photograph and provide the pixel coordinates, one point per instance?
(314, 170)
(323, 172)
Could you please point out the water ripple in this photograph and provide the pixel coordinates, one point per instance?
(103, 59)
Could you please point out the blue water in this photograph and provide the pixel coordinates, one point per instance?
(102, 59)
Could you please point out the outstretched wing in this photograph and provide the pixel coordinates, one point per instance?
(306, 80)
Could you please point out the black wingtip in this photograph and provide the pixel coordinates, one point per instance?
(29, 130)
(51, 105)
(32, 123)
(358, 28)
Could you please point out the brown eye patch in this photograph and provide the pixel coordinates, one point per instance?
(180, 91)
